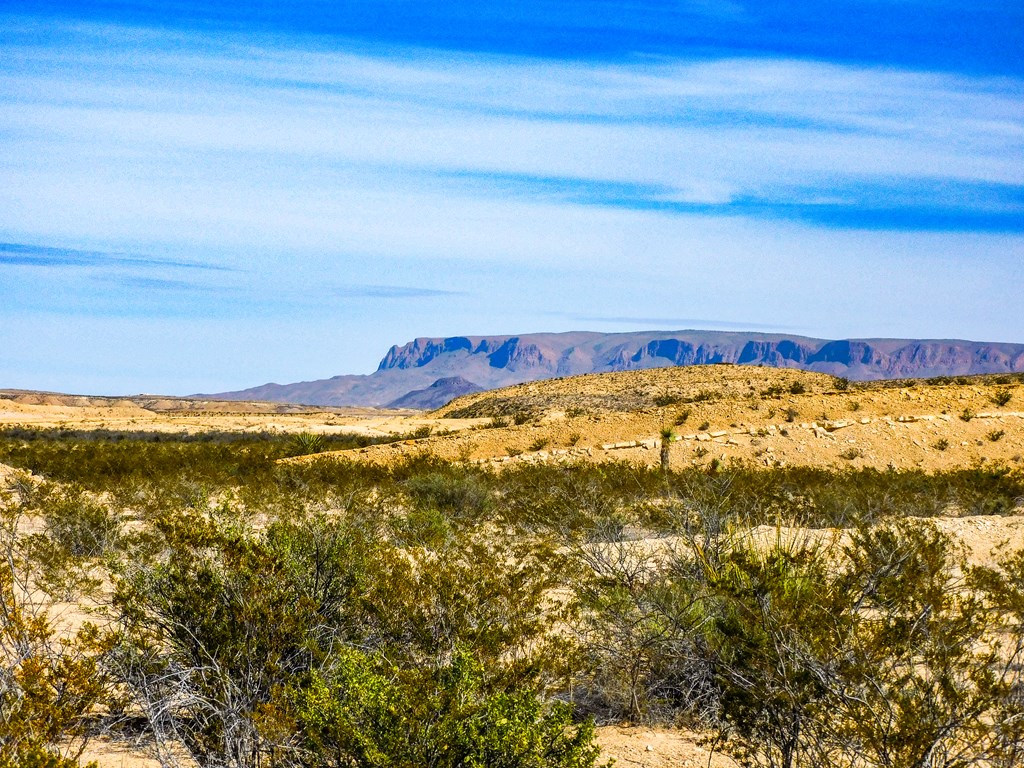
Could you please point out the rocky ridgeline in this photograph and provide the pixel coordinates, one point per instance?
(489, 362)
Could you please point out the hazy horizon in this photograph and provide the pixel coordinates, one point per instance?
(200, 197)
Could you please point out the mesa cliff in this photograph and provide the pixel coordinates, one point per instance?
(487, 362)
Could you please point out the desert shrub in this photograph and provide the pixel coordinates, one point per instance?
(773, 622)
(523, 416)
(539, 444)
(565, 499)
(851, 453)
(48, 685)
(423, 527)
(966, 414)
(229, 617)
(455, 491)
(795, 651)
(797, 388)
(1002, 396)
(77, 531)
(636, 660)
(214, 628)
(941, 444)
(995, 435)
(490, 597)
(37, 757)
(841, 384)
(252, 583)
(366, 713)
(703, 396)
(791, 414)
(923, 684)
(80, 525)
(103, 460)
(668, 398)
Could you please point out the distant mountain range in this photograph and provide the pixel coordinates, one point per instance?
(428, 372)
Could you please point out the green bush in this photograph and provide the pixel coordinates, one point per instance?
(1002, 396)
(48, 685)
(366, 713)
(36, 757)
(456, 492)
(80, 525)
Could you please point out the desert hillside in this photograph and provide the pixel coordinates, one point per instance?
(726, 413)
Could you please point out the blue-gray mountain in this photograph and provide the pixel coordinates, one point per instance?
(441, 392)
(486, 362)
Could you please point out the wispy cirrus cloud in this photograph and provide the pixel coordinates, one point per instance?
(28, 255)
(834, 145)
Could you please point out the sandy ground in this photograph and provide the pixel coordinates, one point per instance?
(638, 747)
(630, 747)
(38, 411)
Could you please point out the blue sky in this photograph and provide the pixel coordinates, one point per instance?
(200, 197)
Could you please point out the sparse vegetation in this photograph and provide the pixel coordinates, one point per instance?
(966, 414)
(797, 388)
(995, 435)
(305, 443)
(328, 612)
(523, 417)
(667, 399)
(540, 444)
(1002, 397)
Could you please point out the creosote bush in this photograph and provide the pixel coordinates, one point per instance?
(48, 684)
(1002, 396)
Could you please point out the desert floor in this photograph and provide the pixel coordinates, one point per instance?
(717, 413)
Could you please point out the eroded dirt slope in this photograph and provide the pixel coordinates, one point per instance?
(731, 413)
